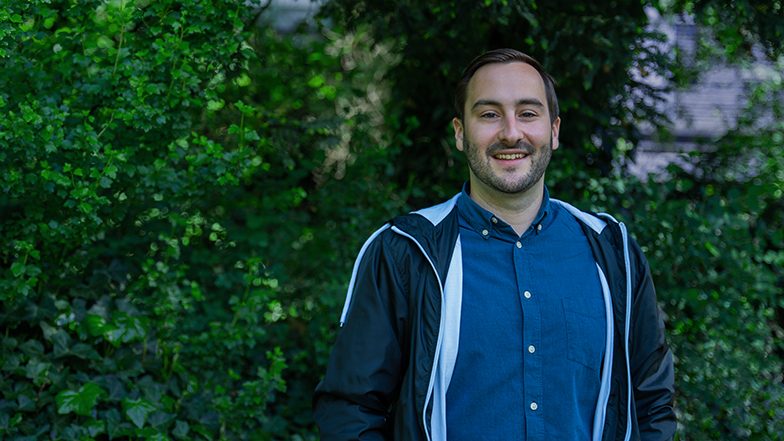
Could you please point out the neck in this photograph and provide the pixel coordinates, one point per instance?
(518, 210)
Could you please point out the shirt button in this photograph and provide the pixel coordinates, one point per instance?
(539, 227)
(531, 349)
(519, 245)
(534, 406)
(485, 232)
(494, 220)
(527, 294)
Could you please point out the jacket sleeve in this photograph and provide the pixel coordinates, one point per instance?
(650, 358)
(363, 377)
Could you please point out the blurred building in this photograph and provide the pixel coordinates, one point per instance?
(285, 15)
(706, 110)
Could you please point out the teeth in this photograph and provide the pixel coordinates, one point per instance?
(513, 156)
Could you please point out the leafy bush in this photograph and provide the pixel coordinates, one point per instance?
(158, 159)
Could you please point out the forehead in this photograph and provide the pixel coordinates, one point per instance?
(505, 82)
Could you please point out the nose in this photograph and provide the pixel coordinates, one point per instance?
(511, 131)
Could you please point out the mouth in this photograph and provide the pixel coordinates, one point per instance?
(510, 156)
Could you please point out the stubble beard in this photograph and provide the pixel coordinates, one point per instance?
(480, 166)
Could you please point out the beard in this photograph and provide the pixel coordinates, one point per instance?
(512, 183)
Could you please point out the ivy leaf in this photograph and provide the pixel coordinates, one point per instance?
(116, 389)
(114, 426)
(84, 351)
(36, 371)
(97, 325)
(70, 434)
(25, 404)
(95, 427)
(161, 421)
(181, 429)
(203, 431)
(12, 363)
(128, 328)
(80, 402)
(32, 348)
(16, 419)
(151, 434)
(48, 330)
(137, 410)
(61, 341)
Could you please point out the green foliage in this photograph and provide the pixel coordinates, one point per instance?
(149, 151)
(80, 402)
(737, 26)
(718, 284)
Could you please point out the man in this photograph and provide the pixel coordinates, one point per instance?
(502, 313)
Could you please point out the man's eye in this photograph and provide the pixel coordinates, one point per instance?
(528, 114)
(488, 115)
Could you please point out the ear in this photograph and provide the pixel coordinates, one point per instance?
(458, 126)
(555, 130)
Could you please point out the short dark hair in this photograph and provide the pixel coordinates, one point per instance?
(505, 56)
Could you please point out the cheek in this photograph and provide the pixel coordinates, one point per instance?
(541, 134)
(480, 135)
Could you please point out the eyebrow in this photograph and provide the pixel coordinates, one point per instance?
(522, 102)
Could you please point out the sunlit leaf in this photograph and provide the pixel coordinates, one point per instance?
(80, 402)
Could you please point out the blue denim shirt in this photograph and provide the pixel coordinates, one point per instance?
(532, 331)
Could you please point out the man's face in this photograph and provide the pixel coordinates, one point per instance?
(506, 133)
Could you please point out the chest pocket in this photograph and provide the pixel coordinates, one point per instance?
(585, 333)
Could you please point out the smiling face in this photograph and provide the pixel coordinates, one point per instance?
(506, 132)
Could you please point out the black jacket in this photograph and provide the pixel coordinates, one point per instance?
(390, 367)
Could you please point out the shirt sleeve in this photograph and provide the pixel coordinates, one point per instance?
(363, 377)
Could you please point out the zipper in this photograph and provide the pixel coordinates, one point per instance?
(433, 370)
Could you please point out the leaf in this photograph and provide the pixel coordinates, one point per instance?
(17, 268)
(210, 420)
(86, 208)
(97, 325)
(36, 371)
(243, 80)
(80, 402)
(26, 404)
(203, 431)
(84, 351)
(95, 427)
(181, 429)
(61, 341)
(128, 328)
(116, 389)
(114, 426)
(9, 344)
(16, 419)
(161, 421)
(32, 348)
(712, 249)
(137, 410)
(12, 363)
(149, 436)
(48, 330)
(215, 105)
(70, 434)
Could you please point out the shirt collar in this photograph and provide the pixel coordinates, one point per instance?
(483, 221)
